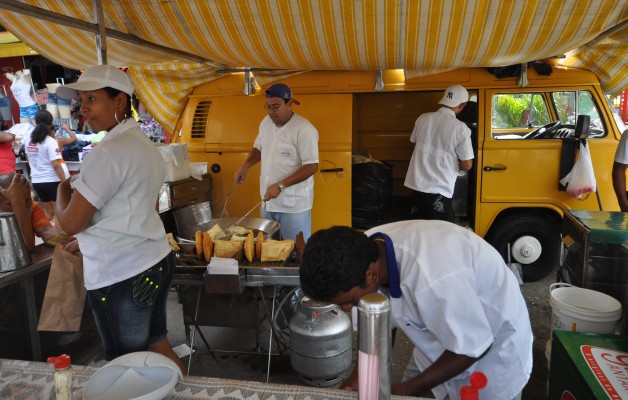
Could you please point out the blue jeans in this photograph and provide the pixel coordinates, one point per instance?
(291, 223)
(131, 314)
(61, 101)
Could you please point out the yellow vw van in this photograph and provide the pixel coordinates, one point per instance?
(511, 197)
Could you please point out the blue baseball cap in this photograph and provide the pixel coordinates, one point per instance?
(279, 90)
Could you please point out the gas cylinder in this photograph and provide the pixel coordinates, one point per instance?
(320, 343)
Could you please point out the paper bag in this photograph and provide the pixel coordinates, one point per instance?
(64, 299)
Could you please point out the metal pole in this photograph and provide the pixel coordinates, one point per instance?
(101, 36)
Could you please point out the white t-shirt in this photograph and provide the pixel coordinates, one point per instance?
(121, 178)
(40, 157)
(441, 140)
(457, 294)
(621, 154)
(284, 150)
(22, 93)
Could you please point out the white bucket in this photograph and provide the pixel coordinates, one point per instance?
(583, 310)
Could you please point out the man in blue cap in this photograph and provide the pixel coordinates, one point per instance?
(287, 146)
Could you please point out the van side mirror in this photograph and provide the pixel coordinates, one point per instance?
(582, 126)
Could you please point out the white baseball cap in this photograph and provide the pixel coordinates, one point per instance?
(98, 77)
(454, 96)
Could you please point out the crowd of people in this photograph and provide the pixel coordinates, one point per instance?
(451, 292)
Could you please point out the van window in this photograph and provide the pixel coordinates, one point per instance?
(571, 104)
(516, 113)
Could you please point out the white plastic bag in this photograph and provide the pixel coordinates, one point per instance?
(580, 181)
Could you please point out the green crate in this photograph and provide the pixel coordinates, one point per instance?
(588, 366)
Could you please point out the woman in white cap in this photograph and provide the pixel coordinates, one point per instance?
(110, 208)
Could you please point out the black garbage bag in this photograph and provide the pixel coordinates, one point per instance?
(371, 188)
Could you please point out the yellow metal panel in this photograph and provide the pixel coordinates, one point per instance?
(232, 128)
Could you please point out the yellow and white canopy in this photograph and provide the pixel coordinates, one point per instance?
(172, 46)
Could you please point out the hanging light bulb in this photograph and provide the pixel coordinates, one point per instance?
(379, 81)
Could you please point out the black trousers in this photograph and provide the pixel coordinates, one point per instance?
(432, 206)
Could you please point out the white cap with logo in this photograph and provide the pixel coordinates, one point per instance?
(454, 96)
(98, 77)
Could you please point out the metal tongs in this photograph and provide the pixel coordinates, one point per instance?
(245, 215)
(223, 213)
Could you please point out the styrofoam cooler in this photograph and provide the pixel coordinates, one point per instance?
(177, 159)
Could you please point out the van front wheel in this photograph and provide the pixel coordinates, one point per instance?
(534, 243)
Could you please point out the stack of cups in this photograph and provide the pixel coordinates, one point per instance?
(374, 347)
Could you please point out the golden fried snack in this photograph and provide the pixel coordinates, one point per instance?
(276, 250)
(173, 243)
(208, 246)
(198, 236)
(258, 245)
(228, 248)
(249, 251)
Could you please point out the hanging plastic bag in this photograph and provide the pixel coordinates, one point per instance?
(580, 181)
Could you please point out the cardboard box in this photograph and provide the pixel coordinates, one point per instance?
(588, 366)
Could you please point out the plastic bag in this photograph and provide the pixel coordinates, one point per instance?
(517, 270)
(580, 181)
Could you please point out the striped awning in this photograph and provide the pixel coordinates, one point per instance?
(172, 46)
(11, 46)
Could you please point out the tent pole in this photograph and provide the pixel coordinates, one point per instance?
(101, 36)
(63, 20)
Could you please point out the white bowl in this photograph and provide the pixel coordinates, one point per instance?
(143, 375)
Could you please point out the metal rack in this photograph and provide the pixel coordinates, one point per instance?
(270, 284)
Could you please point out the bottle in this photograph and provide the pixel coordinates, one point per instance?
(477, 381)
(63, 376)
(374, 347)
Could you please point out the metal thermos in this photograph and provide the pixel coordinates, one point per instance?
(374, 347)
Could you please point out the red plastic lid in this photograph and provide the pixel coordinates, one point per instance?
(478, 380)
(469, 393)
(60, 362)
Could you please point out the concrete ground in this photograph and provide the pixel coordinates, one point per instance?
(236, 354)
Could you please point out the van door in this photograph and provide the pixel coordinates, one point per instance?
(521, 204)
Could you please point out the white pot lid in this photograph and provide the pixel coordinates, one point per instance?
(142, 375)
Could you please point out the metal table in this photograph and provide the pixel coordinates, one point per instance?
(262, 276)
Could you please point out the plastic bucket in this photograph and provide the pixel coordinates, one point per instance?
(583, 310)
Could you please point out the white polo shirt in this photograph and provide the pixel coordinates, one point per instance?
(121, 177)
(457, 294)
(284, 150)
(621, 154)
(440, 141)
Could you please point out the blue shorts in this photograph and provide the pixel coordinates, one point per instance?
(60, 101)
(29, 112)
(52, 99)
(131, 314)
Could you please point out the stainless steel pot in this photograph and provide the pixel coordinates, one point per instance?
(320, 343)
(13, 253)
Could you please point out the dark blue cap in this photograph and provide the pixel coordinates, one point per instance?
(279, 90)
